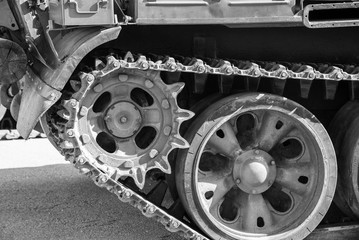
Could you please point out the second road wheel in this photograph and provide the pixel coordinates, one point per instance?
(259, 166)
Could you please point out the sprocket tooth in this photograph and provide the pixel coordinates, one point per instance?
(305, 86)
(139, 176)
(176, 88)
(184, 115)
(163, 165)
(179, 142)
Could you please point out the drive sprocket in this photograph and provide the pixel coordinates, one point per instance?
(128, 120)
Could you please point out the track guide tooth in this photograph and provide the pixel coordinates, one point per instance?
(278, 86)
(331, 89)
(305, 86)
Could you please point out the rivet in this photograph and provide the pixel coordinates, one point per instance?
(128, 194)
(284, 74)
(151, 209)
(98, 88)
(90, 78)
(153, 153)
(83, 111)
(52, 96)
(116, 64)
(103, 179)
(82, 160)
(144, 65)
(73, 103)
(85, 138)
(165, 104)
(70, 133)
(148, 84)
(123, 77)
(174, 224)
(167, 130)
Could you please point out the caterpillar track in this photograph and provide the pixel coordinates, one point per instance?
(62, 121)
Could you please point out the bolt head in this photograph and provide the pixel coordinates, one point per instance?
(123, 119)
(73, 103)
(103, 179)
(123, 77)
(272, 162)
(153, 153)
(165, 104)
(98, 88)
(82, 160)
(128, 194)
(167, 130)
(70, 133)
(148, 84)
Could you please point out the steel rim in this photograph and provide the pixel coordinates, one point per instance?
(274, 209)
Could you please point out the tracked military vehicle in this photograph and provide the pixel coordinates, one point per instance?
(211, 116)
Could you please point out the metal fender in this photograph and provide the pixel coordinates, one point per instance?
(42, 90)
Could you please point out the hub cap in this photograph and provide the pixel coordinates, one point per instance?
(254, 171)
(123, 119)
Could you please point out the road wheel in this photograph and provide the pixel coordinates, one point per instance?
(259, 166)
(338, 129)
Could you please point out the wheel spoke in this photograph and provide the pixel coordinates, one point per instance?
(256, 214)
(224, 140)
(214, 187)
(295, 177)
(152, 117)
(271, 131)
(126, 148)
(121, 92)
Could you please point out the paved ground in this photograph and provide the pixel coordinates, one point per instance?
(43, 199)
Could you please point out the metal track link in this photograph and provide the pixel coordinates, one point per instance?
(14, 135)
(240, 68)
(98, 173)
(102, 175)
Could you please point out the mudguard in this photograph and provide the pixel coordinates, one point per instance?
(43, 90)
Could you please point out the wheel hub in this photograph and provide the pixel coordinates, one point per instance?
(123, 119)
(254, 171)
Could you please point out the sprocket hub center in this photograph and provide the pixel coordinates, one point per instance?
(123, 119)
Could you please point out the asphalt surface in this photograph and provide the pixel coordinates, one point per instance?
(42, 198)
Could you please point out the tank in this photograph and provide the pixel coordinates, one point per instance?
(222, 119)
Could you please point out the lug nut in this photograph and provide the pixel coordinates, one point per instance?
(272, 162)
(256, 152)
(238, 181)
